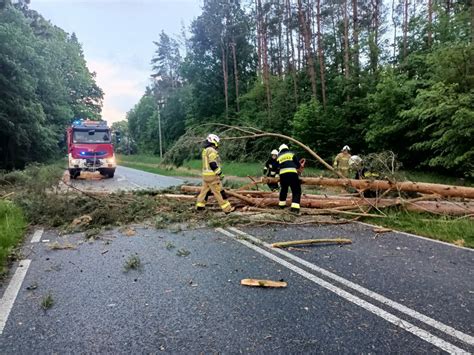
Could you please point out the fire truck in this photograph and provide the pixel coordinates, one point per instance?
(90, 148)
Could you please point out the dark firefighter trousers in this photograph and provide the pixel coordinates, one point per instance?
(290, 180)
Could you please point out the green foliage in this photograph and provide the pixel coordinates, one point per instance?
(143, 124)
(413, 96)
(444, 111)
(12, 228)
(44, 83)
(321, 129)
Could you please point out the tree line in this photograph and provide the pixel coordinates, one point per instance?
(44, 84)
(375, 75)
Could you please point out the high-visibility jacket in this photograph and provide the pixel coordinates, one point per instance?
(342, 161)
(210, 161)
(288, 163)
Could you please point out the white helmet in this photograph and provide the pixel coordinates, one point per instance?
(283, 146)
(212, 138)
(355, 161)
(274, 152)
(346, 147)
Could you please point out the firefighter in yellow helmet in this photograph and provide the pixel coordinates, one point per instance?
(341, 162)
(212, 175)
(288, 169)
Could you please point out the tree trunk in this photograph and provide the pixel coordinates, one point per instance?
(321, 52)
(280, 47)
(266, 75)
(258, 9)
(346, 41)
(405, 29)
(394, 22)
(472, 23)
(374, 34)
(260, 198)
(225, 73)
(236, 76)
(355, 35)
(291, 63)
(430, 21)
(382, 185)
(306, 29)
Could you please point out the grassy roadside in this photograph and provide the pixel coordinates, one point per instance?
(459, 231)
(12, 228)
(151, 164)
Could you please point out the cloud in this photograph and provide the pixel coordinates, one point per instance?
(123, 86)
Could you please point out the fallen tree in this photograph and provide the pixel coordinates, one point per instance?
(382, 185)
(431, 203)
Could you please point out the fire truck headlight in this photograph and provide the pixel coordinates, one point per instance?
(110, 160)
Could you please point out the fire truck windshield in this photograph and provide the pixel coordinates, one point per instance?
(91, 136)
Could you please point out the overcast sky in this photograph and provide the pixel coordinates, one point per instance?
(117, 37)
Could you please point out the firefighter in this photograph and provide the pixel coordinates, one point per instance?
(288, 170)
(361, 170)
(356, 165)
(271, 169)
(341, 162)
(212, 176)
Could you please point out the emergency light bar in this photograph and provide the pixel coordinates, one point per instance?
(88, 123)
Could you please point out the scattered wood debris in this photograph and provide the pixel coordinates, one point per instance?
(382, 230)
(129, 231)
(311, 241)
(262, 283)
(81, 221)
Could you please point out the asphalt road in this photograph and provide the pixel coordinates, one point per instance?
(387, 294)
(383, 293)
(126, 179)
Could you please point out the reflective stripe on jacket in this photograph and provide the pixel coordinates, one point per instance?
(287, 161)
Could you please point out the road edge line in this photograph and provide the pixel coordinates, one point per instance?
(466, 338)
(11, 292)
(416, 236)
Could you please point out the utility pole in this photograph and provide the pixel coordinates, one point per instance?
(159, 134)
(160, 105)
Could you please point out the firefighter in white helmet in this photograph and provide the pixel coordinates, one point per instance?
(288, 166)
(271, 169)
(341, 162)
(212, 175)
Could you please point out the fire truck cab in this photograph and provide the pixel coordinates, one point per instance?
(90, 148)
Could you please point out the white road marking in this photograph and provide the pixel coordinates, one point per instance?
(11, 292)
(120, 178)
(418, 236)
(37, 235)
(466, 338)
(407, 326)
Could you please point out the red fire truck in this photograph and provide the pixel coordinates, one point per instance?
(90, 148)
